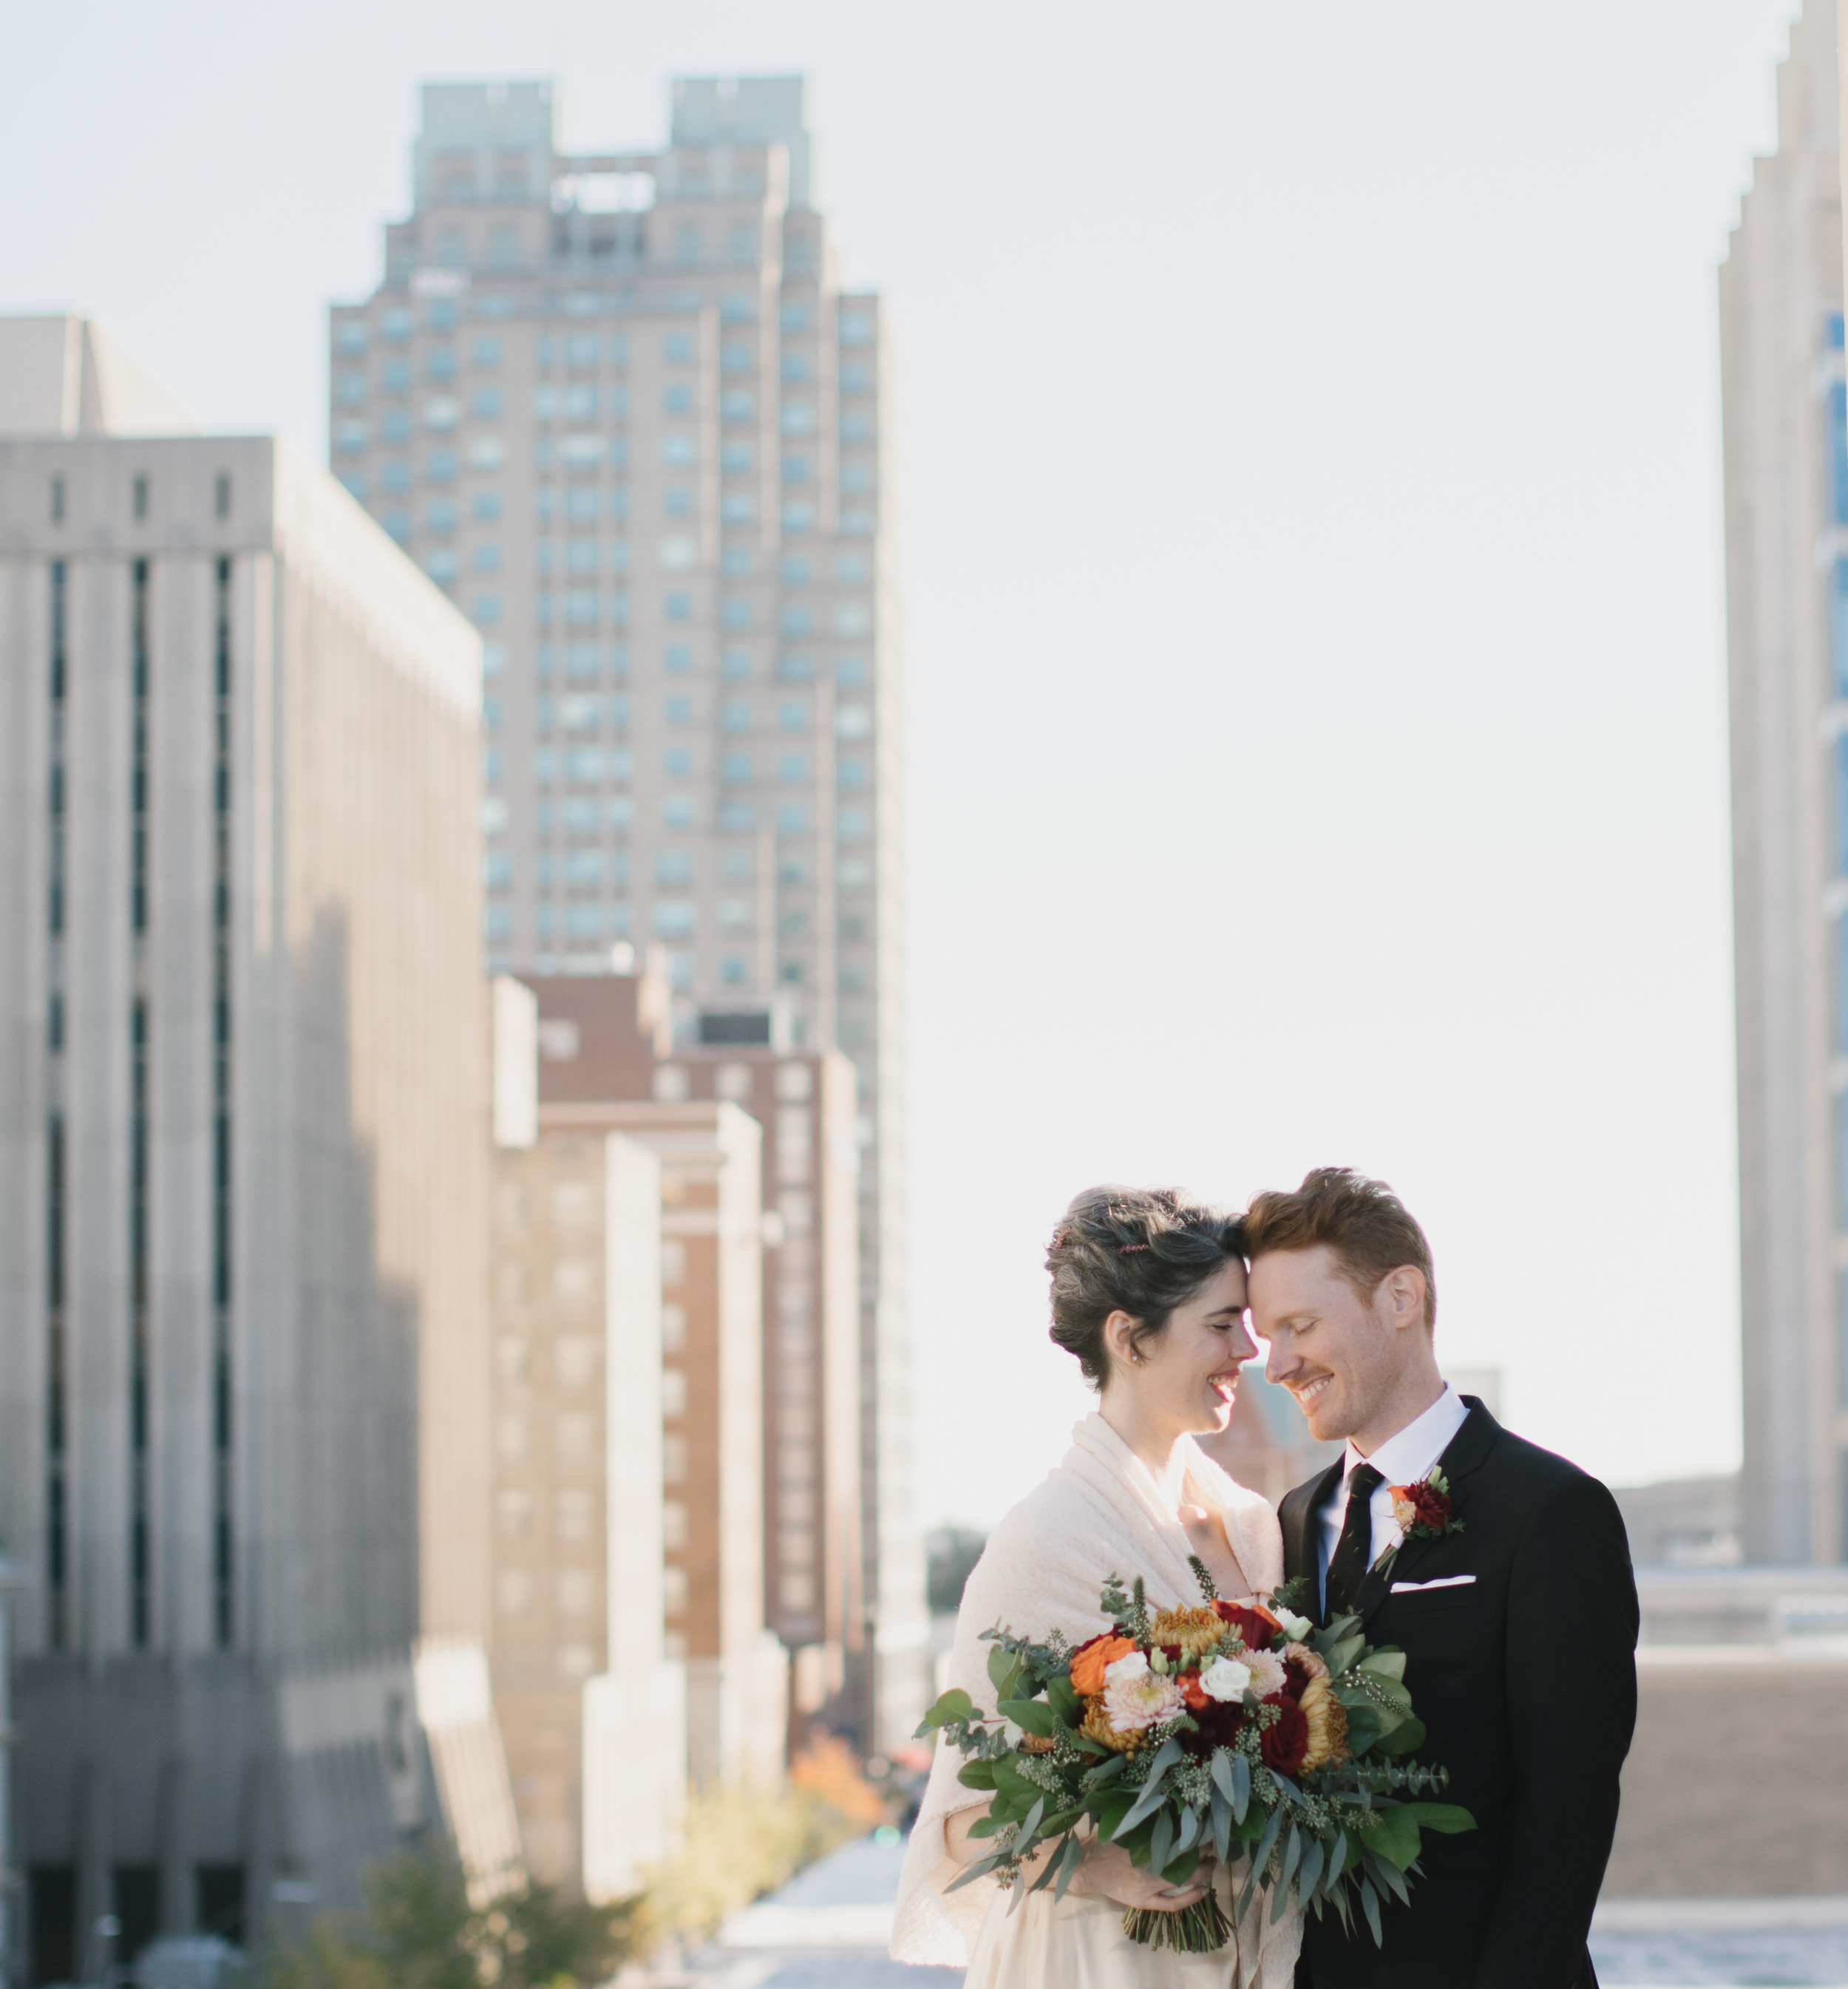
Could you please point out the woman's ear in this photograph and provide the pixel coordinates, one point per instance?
(1119, 1337)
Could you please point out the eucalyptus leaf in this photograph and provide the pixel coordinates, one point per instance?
(955, 1704)
(1405, 1738)
(1069, 1859)
(1370, 1906)
(1384, 1664)
(1160, 1845)
(1190, 1829)
(1314, 1859)
(971, 1873)
(1241, 1786)
(1222, 1825)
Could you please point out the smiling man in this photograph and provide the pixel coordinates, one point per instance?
(1512, 1597)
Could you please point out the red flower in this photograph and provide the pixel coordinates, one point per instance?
(1219, 1721)
(1296, 1676)
(1284, 1744)
(1256, 1625)
(1429, 1507)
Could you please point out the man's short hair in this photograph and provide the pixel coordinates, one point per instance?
(1369, 1230)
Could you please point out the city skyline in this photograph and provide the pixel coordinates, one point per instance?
(1019, 571)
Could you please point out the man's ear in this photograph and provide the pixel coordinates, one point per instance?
(1401, 1293)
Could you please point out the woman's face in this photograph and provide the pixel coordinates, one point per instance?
(1188, 1374)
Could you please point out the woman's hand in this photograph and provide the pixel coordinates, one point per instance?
(1106, 1870)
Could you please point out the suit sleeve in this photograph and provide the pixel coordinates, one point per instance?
(1571, 1696)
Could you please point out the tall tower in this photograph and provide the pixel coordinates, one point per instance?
(621, 407)
(1786, 469)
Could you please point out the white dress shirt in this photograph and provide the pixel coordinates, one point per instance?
(1401, 1460)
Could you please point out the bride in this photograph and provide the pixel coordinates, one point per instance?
(1148, 1291)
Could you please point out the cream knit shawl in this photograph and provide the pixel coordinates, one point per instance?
(1099, 1514)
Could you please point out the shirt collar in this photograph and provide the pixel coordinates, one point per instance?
(1404, 1459)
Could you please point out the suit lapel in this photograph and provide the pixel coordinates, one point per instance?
(1462, 1454)
(1300, 1518)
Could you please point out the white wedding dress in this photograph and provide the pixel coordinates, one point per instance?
(1099, 1514)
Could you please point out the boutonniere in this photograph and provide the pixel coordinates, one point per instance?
(1423, 1510)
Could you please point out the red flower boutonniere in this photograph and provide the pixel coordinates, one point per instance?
(1422, 1511)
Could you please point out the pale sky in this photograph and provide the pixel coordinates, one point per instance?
(1309, 468)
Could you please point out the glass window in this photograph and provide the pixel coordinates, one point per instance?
(851, 775)
(354, 483)
(439, 363)
(439, 514)
(792, 767)
(796, 469)
(486, 505)
(1841, 806)
(795, 619)
(738, 508)
(440, 466)
(674, 918)
(497, 870)
(674, 867)
(678, 607)
(396, 325)
(395, 376)
(676, 397)
(485, 610)
(851, 569)
(497, 922)
(680, 451)
(441, 565)
(580, 349)
(850, 672)
(853, 825)
(735, 769)
(852, 618)
(580, 555)
(1838, 450)
(677, 502)
(852, 721)
(581, 607)
(734, 714)
(584, 867)
(795, 669)
(396, 473)
(486, 403)
(793, 714)
(798, 516)
(398, 524)
(735, 663)
(856, 328)
(350, 390)
(797, 366)
(677, 811)
(736, 562)
(350, 337)
(856, 376)
(678, 658)
(798, 418)
(736, 613)
(792, 819)
(856, 476)
(678, 763)
(494, 659)
(797, 569)
(676, 348)
(736, 307)
(580, 404)
(796, 315)
(580, 504)
(856, 425)
(580, 659)
(440, 314)
(487, 556)
(579, 714)
(736, 355)
(396, 425)
(678, 709)
(734, 968)
(490, 714)
(350, 438)
(486, 350)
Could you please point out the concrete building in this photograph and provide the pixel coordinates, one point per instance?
(621, 406)
(1786, 476)
(243, 1152)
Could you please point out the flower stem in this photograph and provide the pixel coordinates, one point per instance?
(1195, 1930)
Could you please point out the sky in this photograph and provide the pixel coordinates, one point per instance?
(1308, 467)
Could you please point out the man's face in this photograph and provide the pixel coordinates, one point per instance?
(1338, 1353)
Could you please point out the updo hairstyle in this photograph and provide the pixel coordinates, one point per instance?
(1139, 1250)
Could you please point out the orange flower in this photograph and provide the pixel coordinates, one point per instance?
(1193, 1692)
(1089, 1661)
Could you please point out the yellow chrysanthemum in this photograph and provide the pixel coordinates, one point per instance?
(1327, 1719)
(1195, 1630)
(1097, 1727)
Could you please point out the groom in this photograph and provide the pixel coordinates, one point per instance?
(1519, 1627)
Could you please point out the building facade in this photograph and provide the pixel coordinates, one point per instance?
(1785, 436)
(621, 405)
(243, 1162)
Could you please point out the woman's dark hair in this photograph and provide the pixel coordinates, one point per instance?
(1139, 1250)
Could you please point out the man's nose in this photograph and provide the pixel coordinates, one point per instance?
(1277, 1362)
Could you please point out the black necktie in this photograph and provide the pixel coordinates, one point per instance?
(1354, 1551)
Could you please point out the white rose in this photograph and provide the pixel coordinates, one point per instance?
(1296, 1628)
(1226, 1678)
(1125, 1669)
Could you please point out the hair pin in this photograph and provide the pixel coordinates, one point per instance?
(1129, 1249)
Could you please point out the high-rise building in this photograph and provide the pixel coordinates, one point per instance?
(620, 405)
(1786, 473)
(243, 1155)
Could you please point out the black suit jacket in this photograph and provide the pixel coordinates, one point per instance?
(1525, 1680)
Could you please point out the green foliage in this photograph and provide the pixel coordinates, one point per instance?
(419, 1931)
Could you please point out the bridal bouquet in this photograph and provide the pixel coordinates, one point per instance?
(1232, 1728)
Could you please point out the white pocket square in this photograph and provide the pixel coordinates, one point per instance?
(1419, 1588)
